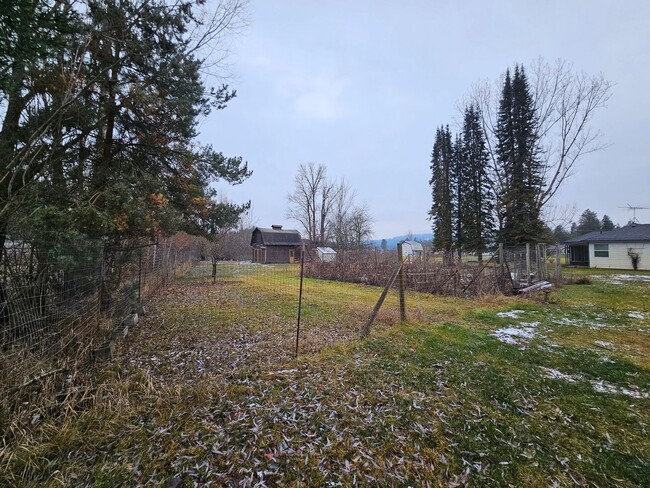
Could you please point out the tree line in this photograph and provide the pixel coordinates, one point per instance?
(100, 103)
(493, 181)
(587, 222)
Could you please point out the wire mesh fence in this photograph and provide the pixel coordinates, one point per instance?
(271, 305)
(59, 301)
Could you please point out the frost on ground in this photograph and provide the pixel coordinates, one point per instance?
(599, 386)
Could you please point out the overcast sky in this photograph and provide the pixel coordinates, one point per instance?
(360, 86)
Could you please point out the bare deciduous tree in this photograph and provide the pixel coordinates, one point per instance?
(565, 104)
(311, 202)
(338, 223)
(360, 225)
(326, 209)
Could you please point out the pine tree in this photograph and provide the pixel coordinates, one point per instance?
(588, 222)
(475, 214)
(442, 191)
(517, 151)
(606, 223)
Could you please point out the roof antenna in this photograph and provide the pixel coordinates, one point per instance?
(634, 209)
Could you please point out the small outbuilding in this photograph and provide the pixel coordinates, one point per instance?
(275, 245)
(326, 254)
(621, 248)
(412, 250)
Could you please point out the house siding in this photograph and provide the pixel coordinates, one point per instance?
(618, 257)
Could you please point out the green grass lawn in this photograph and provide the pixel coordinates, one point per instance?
(494, 391)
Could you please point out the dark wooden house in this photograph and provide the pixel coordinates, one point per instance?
(275, 245)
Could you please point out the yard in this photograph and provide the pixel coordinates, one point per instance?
(490, 391)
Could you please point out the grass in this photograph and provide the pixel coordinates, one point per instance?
(207, 391)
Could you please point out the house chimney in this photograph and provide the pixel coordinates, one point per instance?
(276, 227)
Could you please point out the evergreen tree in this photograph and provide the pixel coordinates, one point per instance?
(517, 151)
(560, 234)
(606, 223)
(104, 102)
(442, 209)
(588, 222)
(475, 212)
(459, 177)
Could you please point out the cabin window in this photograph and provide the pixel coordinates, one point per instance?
(601, 250)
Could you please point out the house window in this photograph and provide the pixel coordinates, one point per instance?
(601, 250)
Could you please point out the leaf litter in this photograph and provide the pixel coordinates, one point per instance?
(220, 401)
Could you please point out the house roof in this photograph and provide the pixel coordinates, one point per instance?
(629, 233)
(326, 250)
(279, 237)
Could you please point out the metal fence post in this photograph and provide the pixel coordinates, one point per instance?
(528, 263)
(400, 278)
(302, 269)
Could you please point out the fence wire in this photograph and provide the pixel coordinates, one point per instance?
(59, 301)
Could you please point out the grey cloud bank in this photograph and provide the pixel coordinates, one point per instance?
(361, 87)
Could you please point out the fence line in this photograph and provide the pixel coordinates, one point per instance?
(59, 301)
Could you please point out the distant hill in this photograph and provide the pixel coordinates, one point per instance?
(392, 242)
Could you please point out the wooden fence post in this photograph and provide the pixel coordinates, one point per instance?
(366, 328)
(402, 300)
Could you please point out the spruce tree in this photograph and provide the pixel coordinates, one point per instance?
(606, 223)
(442, 191)
(459, 184)
(517, 151)
(476, 211)
(588, 222)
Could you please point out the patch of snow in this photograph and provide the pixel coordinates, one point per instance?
(619, 279)
(566, 321)
(512, 314)
(529, 324)
(602, 386)
(605, 345)
(596, 325)
(559, 375)
(515, 336)
(605, 359)
(599, 386)
(636, 315)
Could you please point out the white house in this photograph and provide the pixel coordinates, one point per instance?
(326, 253)
(619, 248)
